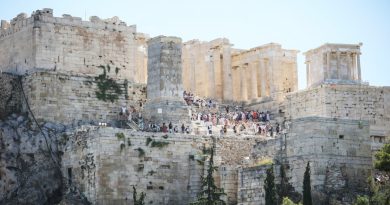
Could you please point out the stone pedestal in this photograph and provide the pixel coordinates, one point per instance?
(165, 101)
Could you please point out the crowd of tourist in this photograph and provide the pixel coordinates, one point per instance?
(152, 127)
(253, 122)
(193, 100)
(230, 118)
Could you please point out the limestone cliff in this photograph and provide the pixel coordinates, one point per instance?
(29, 162)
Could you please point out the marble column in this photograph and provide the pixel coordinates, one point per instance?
(349, 69)
(227, 74)
(308, 76)
(269, 76)
(338, 64)
(211, 76)
(258, 77)
(263, 80)
(358, 67)
(243, 88)
(218, 78)
(192, 76)
(353, 70)
(328, 55)
(253, 70)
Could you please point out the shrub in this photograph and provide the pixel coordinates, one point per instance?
(108, 89)
(141, 152)
(148, 141)
(120, 136)
(287, 201)
(159, 144)
(122, 146)
(264, 161)
(362, 200)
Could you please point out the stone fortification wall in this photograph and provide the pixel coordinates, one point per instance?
(10, 96)
(106, 166)
(168, 175)
(68, 44)
(339, 152)
(68, 98)
(270, 148)
(251, 183)
(357, 102)
(17, 45)
(231, 153)
(306, 103)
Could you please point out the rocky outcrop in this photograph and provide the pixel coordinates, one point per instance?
(29, 162)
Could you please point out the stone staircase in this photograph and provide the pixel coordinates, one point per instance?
(132, 125)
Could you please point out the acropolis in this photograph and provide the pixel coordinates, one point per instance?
(89, 109)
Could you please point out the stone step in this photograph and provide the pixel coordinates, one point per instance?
(132, 125)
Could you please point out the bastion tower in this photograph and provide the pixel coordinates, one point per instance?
(165, 101)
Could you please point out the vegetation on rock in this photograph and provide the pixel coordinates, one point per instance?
(128, 142)
(287, 201)
(382, 161)
(108, 89)
(141, 152)
(148, 141)
(159, 144)
(264, 161)
(155, 143)
(120, 136)
(126, 86)
(138, 200)
(380, 187)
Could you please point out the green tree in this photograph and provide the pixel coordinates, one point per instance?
(282, 188)
(381, 190)
(285, 189)
(382, 161)
(141, 199)
(269, 187)
(210, 193)
(362, 200)
(307, 186)
(381, 195)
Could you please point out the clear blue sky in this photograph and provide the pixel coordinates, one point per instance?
(298, 24)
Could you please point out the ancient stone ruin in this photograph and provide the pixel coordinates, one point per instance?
(82, 107)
